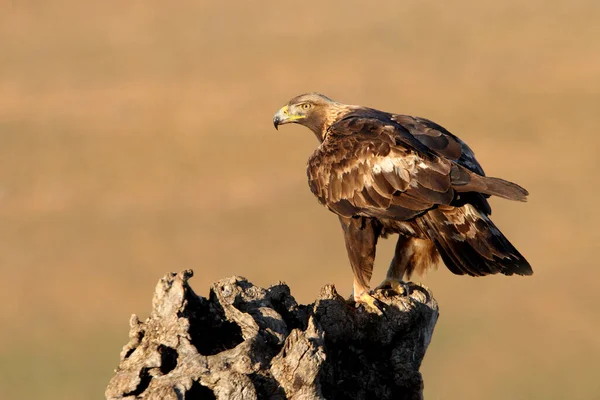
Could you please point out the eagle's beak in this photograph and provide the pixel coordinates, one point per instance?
(280, 117)
(283, 117)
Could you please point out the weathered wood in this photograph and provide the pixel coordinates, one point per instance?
(245, 342)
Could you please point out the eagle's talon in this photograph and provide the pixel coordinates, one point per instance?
(369, 303)
(396, 285)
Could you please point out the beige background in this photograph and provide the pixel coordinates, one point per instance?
(136, 139)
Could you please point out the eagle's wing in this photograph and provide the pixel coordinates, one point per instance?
(368, 167)
(373, 167)
(445, 144)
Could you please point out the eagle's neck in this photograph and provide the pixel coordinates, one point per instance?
(326, 117)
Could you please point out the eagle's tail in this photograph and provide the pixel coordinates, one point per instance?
(464, 180)
(471, 244)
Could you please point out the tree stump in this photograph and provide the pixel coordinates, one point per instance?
(245, 342)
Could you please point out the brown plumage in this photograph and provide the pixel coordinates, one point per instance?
(385, 173)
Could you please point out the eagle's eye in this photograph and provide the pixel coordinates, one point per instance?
(305, 106)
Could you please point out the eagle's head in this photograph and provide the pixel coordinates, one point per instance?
(313, 110)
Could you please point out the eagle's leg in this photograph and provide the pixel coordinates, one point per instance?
(399, 266)
(361, 236)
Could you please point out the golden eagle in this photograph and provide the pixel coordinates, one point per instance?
(384, 173)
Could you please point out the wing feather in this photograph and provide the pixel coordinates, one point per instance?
(379, 201)
(398, 178)
(382, 185)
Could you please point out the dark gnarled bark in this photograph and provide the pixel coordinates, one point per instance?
(245, 342)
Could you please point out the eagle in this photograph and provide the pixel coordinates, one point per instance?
(385, 173)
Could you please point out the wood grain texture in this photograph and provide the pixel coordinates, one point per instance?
(245, 342)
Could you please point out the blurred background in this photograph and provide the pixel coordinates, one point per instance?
(136, 139)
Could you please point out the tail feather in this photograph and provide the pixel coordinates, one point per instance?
(464, 180)
(508, 190)
(471, 244)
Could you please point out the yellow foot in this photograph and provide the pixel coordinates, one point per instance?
(396, 285)
(369, 302)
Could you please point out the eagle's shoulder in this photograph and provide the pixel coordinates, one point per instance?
(367, 124)
(416, 133)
